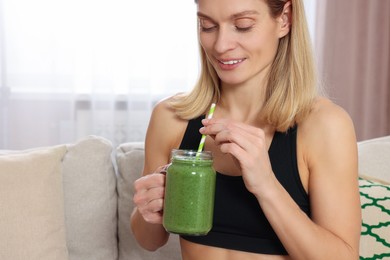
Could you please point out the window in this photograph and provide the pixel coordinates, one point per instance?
(70, 68)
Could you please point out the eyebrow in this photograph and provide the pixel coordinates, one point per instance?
(249, 12)
(233, 16)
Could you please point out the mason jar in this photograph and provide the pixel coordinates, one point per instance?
(189, 193)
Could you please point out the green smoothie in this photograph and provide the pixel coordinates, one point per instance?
(189, 193)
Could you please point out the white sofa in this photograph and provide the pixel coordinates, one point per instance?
(73, 201)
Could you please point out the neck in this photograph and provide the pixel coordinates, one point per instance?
(242, 102)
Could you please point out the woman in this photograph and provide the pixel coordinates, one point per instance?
(286, 157)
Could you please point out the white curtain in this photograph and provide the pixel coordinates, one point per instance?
(71, 68)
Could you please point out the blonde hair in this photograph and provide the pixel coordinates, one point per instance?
(292, 84)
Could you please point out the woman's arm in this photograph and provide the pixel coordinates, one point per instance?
(328, 155)
(163, 134)
(328, 145)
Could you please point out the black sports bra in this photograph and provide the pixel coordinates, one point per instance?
(239, 222)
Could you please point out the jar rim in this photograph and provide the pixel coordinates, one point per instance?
(191, 154)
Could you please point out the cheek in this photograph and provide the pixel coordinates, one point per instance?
(205, 41)
(267, 43)
(206, 47)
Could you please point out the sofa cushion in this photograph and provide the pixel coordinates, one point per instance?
(90, 200)
(374, 158)
(130, 160)
(375, 203)
(31, 205)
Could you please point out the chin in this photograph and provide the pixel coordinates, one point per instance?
(231, 80)
(232, 77)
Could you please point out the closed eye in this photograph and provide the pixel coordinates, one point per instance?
(244, 24)
(244, 29)
(206, 25)
(208, 29)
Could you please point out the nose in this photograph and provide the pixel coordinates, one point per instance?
(225, 41)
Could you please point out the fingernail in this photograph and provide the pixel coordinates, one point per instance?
(165, 168)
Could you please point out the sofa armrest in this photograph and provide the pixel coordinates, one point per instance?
(374, 158)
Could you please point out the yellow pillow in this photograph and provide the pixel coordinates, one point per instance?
(32, 205)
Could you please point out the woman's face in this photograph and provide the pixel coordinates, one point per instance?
(239, 37)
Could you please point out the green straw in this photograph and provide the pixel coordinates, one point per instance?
(203, 139)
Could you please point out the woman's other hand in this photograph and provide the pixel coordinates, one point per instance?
(149, 195)
(247, 144)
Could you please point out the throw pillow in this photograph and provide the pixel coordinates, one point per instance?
(375, 234)
(90, 200)
(32, 205)
(130, 160)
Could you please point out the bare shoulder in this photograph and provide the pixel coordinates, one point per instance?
(164, 133)
(327, 129)
(164, 115)
(166, 124)
(328, 120)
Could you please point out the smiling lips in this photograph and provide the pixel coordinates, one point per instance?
(229, 64)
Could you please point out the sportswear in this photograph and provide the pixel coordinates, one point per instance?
(239, 222)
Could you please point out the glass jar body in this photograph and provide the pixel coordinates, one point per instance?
(189, 193)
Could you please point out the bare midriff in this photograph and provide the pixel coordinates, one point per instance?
(193, 251)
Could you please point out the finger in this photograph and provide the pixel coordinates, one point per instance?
(240, 154)
(229, 134)
(155, 206)
(155, 218)
(149, 181)
(235, 134)
(145, 197)
(215, 125)
(213, 128)
(152, 214)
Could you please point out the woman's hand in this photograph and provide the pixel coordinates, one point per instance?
(247, 144)
(149, 195)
